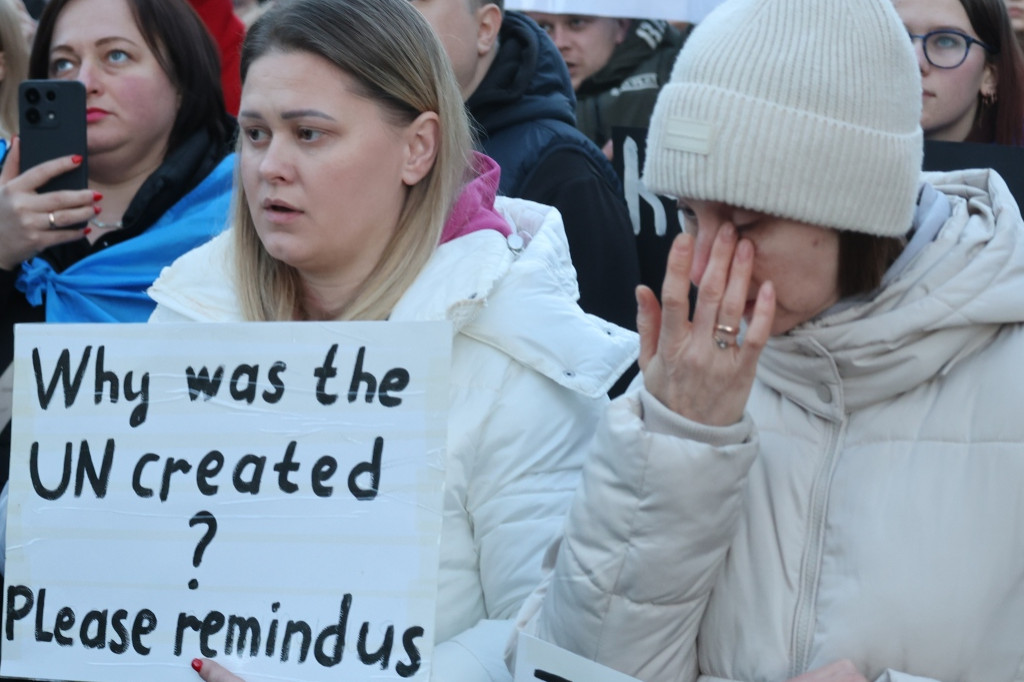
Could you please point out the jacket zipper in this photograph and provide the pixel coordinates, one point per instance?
(810, 570)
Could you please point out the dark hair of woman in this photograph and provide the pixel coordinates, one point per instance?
(1001, 121)
(864, 259)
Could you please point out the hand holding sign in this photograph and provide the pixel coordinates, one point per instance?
(211, 671)
(543, 661)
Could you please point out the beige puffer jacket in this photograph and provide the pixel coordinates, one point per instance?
(870, 506)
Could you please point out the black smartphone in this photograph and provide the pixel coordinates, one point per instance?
(51, 125)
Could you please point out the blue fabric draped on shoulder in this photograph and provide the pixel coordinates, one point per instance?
(110, 285)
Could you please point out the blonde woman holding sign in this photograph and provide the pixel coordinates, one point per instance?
(360, 199)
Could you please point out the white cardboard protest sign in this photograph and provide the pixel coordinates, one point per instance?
(540, 661)
(266, 495)
(671, 10)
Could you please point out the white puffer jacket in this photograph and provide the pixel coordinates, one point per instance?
(528, 380)
(875, 513)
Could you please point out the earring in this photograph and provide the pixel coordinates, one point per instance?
(989, 99)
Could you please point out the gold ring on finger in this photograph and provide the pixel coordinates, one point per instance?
(53, 221)
(722, 344)
(726, 329)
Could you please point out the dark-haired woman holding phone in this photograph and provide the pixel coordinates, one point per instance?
(160, 166)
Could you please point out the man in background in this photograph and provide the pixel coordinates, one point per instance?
(618, 63)
(519, 94)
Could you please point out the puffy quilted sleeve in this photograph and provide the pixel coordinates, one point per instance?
(521, 474)
(648, 530)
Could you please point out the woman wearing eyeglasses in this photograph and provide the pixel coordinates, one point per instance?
(972, 69)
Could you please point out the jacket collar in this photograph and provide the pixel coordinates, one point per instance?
(949, 301)
(518, 294)
(528, 80)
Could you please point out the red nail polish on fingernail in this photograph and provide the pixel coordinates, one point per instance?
(197, 665)
(87, 230)
(76, 159)
(97, 209)
(96, 196)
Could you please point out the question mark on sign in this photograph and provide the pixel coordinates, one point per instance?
(211, 530)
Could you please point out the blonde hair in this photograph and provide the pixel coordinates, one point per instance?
(15, 51)
(390, 51)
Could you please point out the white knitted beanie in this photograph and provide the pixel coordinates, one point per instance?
(804, 109)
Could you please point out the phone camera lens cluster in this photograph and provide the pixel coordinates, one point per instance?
(33, 96)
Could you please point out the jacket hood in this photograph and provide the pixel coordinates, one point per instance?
(949, 301)
(528, 73)
(474, 208)
(518, 294)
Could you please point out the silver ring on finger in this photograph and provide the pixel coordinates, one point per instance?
(53, 221)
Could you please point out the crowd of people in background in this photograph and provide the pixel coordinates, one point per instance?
(797, 461)
(520, 103)
(617, 66)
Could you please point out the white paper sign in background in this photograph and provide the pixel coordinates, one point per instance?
(540, 661)
(672, 10)
(269, 495)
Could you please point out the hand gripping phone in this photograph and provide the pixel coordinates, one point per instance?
(52, 124)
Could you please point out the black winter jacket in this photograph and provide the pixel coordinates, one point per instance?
(623, 92)
(523, 110)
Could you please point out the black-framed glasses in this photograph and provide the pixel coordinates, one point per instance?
(946, 48)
